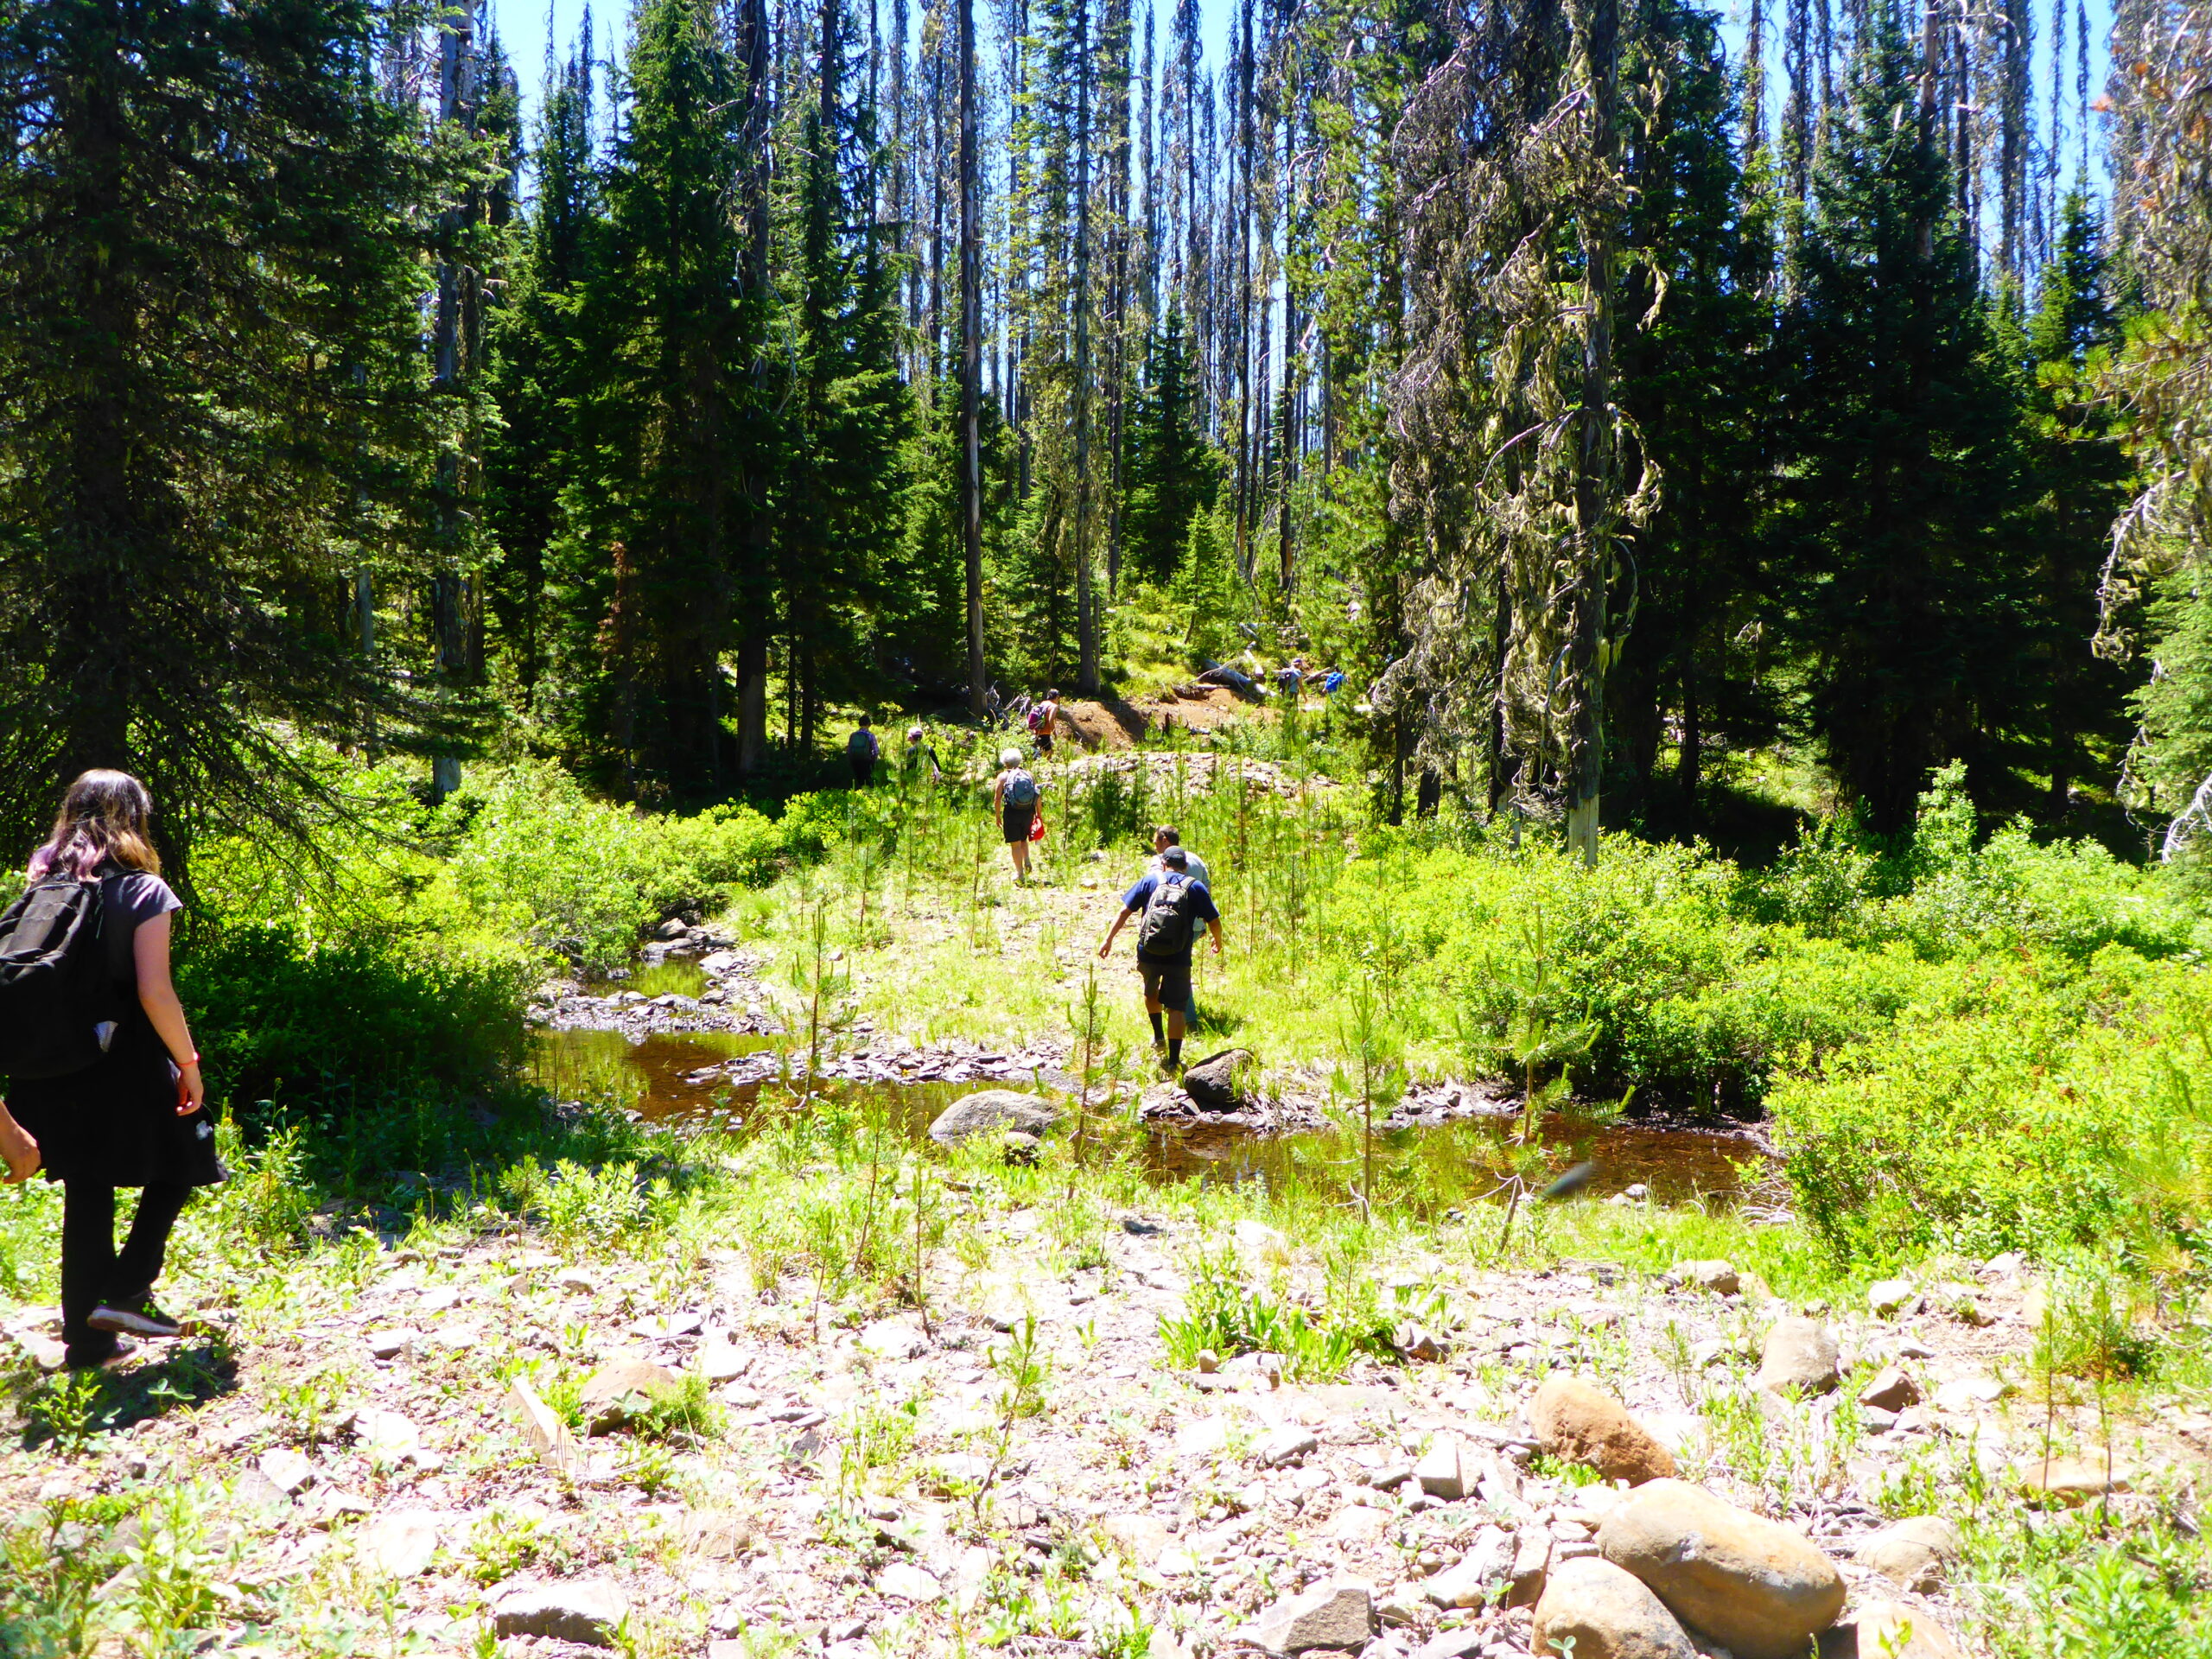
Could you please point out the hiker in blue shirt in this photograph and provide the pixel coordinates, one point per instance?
(1172, 903)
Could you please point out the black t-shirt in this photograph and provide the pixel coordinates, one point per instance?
(1141, 895)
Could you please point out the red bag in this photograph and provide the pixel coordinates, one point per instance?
(1037, 827)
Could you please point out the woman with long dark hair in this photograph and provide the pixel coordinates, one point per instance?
(138, 1116)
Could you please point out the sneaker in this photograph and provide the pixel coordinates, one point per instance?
(91, 1359)
(140, 1318)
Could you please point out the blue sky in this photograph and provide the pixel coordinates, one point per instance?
(523, 27)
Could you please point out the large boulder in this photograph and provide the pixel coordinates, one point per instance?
(1605, 1613)
(1220, 1083)
(1758, 1588)
(1583, 1424)
(1914, 1553)
(989, 1110)
(1338, 1614)
(1799, 1354)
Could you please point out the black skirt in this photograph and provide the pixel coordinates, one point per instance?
(115, 1124)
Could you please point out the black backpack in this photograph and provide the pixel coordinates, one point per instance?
(54, 988)
(1170, 918)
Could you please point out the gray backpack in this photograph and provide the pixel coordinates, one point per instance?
(1171, 917)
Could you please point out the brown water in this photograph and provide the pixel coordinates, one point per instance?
(1432, 1167)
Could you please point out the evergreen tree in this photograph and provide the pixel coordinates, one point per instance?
(842, 509)
(1697, 378)
(654, 539)
(211, 405)
(2079, 475)
(1913, 615)
(540, 375)
(1171, 473)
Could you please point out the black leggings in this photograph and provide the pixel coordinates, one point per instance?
(92, 1270)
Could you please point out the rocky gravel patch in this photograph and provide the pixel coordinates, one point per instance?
(867, 1487)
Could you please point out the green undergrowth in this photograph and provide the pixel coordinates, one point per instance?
(1967, 1043)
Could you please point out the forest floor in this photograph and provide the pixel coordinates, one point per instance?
(874, 1479)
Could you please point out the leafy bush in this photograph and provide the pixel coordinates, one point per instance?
(2009, 1106)
(357, 1022)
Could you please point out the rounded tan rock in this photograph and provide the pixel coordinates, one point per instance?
(1607, 1614)
(1759, 1589)
(1583, 1424)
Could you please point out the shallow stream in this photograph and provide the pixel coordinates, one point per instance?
(1438, 1167)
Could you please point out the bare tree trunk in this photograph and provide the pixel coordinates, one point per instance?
(449, 591)
(1086, 606)
(754, 47)
(971, 361)
(1595, 484)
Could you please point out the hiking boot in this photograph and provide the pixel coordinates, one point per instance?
(91, 1358)
(140, 1318)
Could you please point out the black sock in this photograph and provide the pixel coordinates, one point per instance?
(1174, 1050)
(1156, 1033)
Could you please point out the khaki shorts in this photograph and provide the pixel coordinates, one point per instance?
(1167, 983)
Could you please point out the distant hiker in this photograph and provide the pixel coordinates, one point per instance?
(1013, 798)
(862, 749)
(99, 1059)
(918, 758)
(1166, 836)
(1171, 903)
(1041, 718)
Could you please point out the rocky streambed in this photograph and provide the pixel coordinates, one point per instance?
(697, 1036)
(486, 1439)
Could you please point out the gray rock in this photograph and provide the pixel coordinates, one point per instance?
(1597, 1611)
(1339, 1614)
(288, 1470)
(1286, 1445)
(548, 1435)
(585, 1611)
(1888, 1630)
(1217, 1083)
(992, 1109)
(619, 1392)
(1019, 1150)
(1799, 1354)
(1438, 1471)
(1887, 1298)
(1486, 1567)
(1914, 1553)
(1712, 1274)
(1532, 1556)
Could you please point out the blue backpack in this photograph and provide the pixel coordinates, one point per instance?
(1020, 789)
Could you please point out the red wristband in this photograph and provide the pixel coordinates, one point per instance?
(180, 1064)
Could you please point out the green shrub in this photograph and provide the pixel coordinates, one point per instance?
(350, 1024)
(2009, 1106)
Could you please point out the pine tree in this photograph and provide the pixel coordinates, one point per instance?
(1697, 378)
(1903, 474)
(1172, 473)
(211, 408)
(656, 540)
(2079, 475)
(540, 374)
